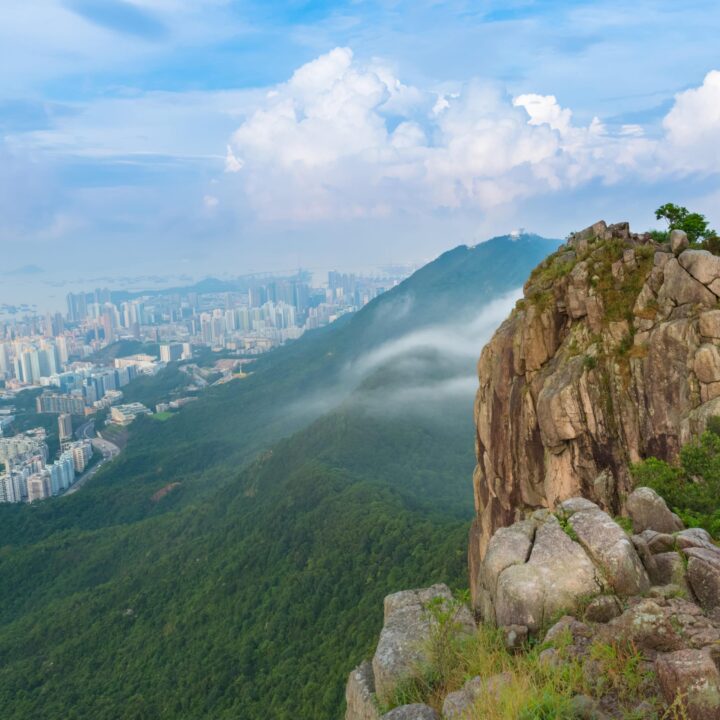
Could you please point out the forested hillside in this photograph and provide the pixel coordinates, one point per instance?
(217, 570)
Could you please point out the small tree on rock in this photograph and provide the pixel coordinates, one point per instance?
(680, 218)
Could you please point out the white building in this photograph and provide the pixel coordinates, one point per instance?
(125, 414)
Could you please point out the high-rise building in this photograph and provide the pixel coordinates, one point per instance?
(27, 366)
(38, 486)
(62, 348)
(4, 360)
(257, 296)
(170, 352)
(65, 426)
(81, 454)
(13, 485)
(50, 403)
(77, 307)
(48, 360)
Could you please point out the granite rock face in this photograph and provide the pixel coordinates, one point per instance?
(557, 574)
(691, 674)
(417, 711)
(610, 357)
(549, 563)
(407, 627)
(360, 694)
(648, 511)
(401, 649)
(657, 592)
(609, 548)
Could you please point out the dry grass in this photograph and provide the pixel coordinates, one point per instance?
(535, 688)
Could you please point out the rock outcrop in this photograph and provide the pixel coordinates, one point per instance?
(693, 675)
(612, 356)
(360, 694)
(551, 563)
(658, 592)
(406, 632)
(409, 621)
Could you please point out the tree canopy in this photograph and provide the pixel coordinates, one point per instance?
(694, 224)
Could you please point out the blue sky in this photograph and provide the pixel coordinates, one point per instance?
(174, 138)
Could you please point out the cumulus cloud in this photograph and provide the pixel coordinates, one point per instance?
(693, 127)
(341, 139)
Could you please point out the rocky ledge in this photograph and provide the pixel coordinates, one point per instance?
(658, 589)
(612, 356)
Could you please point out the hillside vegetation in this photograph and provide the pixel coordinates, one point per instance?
(232, 561)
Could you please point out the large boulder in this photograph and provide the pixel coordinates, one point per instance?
(459, 704)
(701, 264)
(668, 569)
(647, 624)
(678, 241)
(703, 574)
(681, 288)
(416, 711)
(648, 511)
(360, 694)
(709, 324)
(659, 542)
(557, 574)
(609, 547)
(692, 676)
(694, 537)
(509, 546)
(407, 629)
(706, 363)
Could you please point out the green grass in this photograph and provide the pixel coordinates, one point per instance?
(535, 687)
(162, 416)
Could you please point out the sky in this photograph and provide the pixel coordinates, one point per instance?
(145, 142)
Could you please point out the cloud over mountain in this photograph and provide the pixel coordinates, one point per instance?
(345, 139)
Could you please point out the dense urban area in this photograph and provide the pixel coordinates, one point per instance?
(64, 377)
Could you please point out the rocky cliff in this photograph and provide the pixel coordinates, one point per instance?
(610, 357)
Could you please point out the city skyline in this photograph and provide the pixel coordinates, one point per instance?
(189, 339)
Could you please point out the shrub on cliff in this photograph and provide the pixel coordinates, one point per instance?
(692, 489)
(694, 224)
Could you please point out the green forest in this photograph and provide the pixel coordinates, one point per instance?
(231, 563)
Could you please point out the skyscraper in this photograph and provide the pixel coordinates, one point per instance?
(65, 426)
(4, 359)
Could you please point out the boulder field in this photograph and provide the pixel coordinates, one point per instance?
(658, 590)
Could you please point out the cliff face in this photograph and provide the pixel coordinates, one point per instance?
(610, 357)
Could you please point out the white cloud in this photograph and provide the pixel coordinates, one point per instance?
(544, 110)
(210, 202)
(345, 140)
(693, 127)
(232, 164)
